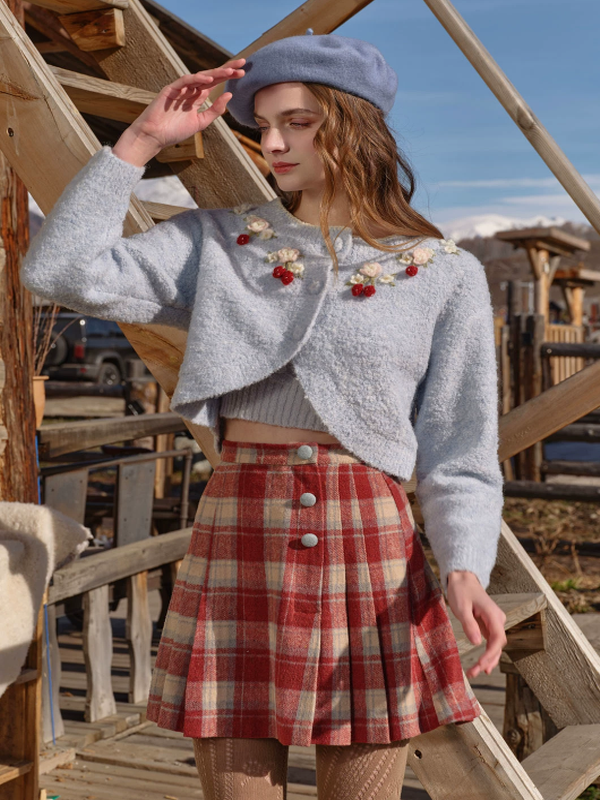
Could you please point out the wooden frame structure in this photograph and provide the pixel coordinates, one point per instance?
(47, 141)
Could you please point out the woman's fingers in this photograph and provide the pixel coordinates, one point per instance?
(215, 110)
(211, 77)
(492, 623)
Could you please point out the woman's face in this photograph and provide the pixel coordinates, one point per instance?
(289, 115)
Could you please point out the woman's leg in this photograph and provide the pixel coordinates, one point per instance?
(241, 769)
(361, 771)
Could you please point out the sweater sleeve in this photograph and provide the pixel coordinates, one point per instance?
(80, 258)
(459, 479)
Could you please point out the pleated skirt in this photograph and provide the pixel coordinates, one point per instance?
(305, 608)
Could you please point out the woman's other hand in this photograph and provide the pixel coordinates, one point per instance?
(173, 115)
(478, 614)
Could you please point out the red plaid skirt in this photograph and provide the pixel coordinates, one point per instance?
(337, 637)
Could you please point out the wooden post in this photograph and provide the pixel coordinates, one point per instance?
(97, 653)
(519, 394)
(139, 637)
(506, 389)
(20, 705)
(533, 336)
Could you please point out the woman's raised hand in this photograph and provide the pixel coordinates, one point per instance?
(173, 115)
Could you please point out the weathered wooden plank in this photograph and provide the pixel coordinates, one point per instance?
(97, 650)
(139, 637)
(67, 492)
(90, 573)
(68, 437)
(565, 677)
(557, 407)
(73, 6)
(9, 770)
(470, 760)
(566, 764)
(79, 784)
(134, 500)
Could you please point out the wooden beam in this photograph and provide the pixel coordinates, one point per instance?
(529, 125)
(94, 571)
(548, 237)
(69, 437)
(123, 103)
(75, 6)
(96, 30)
(46, 23)
(578, 273)
(549, 412)
(108, 99)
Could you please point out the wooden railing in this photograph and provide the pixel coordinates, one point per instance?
(91, 577)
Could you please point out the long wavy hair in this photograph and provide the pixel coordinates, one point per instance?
(355, 141)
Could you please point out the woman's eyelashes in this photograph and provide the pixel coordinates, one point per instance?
(292, 125)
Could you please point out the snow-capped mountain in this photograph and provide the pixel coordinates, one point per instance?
(486, 225)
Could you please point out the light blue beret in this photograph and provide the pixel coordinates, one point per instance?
(351, 65)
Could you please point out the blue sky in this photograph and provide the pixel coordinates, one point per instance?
(468, 155)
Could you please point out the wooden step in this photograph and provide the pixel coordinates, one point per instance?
(9, 769)
(517, 607)
(567, 764)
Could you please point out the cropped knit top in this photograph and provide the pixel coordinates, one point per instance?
(278, 399)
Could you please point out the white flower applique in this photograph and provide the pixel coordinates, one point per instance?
(243, 208)
(256, 226)
(450, 247)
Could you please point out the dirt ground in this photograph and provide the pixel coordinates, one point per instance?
(575, 579)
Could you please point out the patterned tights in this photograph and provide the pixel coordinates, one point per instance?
(256, 769)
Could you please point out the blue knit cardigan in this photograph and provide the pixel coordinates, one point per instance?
(404, 376)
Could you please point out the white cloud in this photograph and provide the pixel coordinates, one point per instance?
(507, 183)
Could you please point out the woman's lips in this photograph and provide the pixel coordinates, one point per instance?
(283, 167)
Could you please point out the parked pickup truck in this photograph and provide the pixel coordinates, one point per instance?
(86, 348)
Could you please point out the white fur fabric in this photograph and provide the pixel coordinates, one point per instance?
(34, 541)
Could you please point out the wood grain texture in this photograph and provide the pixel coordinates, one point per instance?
(97, 650)
(566, 675)
(139, 637)
(566, 764)
(96, 571)
(469, 762)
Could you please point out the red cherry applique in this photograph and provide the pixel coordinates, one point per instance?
(412, 270)
(287, 277)
(243, 238)
(369, 290)
(357, 289)
(278, 272)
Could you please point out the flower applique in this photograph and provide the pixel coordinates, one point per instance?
(256, 226)
(363, 281)
(449, 246)
(290, 267)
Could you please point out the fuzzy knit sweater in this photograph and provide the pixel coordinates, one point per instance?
(403, 376)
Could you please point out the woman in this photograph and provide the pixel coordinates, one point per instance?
(305, 611)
